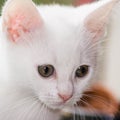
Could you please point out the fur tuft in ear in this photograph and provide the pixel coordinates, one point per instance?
(19, 17)
(97, 20)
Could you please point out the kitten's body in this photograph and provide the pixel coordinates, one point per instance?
(59, 36)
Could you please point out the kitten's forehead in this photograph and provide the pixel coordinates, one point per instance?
(63, 42)
(57, 14)
(64, 28)
(64, 33)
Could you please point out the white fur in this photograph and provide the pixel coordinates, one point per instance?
(63, 42)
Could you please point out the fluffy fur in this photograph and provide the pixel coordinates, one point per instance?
(98, 99)
(65, 37)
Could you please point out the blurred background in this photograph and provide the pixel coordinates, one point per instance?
(65, 2)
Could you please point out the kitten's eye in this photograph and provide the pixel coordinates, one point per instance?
(82, 71)
(46, 70)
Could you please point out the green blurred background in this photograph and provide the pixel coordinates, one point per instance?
(66, 2)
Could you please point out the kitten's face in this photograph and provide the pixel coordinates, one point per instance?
(51, 54)
(67, 70)
(54, 64)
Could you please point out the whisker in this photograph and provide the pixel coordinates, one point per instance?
(74, 114)
(27, 111)
(19, 103)
(36, 110)
(100, 99)
(90, 107)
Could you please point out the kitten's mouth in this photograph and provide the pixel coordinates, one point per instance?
(56, 105)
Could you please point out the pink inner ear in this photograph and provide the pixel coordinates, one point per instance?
(20, 17)
(15, 27)
(97, 21)
(21, 24)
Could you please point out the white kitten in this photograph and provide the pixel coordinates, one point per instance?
(48, 56)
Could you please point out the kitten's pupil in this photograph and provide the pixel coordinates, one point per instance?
(82, 71)
(46, 70)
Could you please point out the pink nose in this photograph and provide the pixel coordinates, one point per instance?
(65, 97)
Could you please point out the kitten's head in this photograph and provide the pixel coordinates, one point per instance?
(53, 49)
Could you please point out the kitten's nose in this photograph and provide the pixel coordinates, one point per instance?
(65, 97)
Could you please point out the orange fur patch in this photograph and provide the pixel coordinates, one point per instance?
(99, 99)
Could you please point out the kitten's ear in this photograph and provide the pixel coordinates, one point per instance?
(19, 17)
(96, 21)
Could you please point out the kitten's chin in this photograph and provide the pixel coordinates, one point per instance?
(55, 106)
(58, 105)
